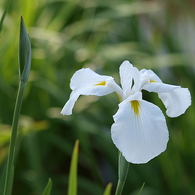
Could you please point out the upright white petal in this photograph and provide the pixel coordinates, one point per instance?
(125, 72)
(130, 78)
(140, 135)
(176, 101)
(86, 82)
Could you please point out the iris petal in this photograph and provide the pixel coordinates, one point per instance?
(176, 101)
(130, 78)
(139, 137)
(126, 76)
(159, 87)
(86, 77)
(175, 98)
(151, 75)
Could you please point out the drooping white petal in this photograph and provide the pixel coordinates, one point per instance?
(130, 78)
(176, 101)
(152, 83)
(67, 109)
(86, 82)
(175, 98)
(142, 135)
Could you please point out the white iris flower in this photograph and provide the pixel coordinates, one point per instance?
(139, 130)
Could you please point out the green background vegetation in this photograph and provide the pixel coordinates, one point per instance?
(67, 35)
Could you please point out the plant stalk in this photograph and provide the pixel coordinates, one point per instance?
(11, 154)
(123, 168)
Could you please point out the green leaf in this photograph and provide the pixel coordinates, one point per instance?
(72, 184)
(47, 190)
(24, 53)
(108, 189)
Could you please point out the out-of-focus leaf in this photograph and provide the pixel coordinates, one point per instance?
(4, 14)
(108, 189)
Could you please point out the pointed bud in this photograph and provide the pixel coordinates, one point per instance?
(24, 53)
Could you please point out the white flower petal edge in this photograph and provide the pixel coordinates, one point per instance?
(86, 82)
(175, 98)
(139, 136)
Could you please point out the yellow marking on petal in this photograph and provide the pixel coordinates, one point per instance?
(152, 81)
(101, 83)
(135, 105)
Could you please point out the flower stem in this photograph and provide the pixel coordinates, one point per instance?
(11, 153)
(123, 168)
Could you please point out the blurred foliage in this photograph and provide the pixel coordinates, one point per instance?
(67, 35)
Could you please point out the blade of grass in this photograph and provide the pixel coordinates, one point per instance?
(47, 190)
(72, 183)
(142, 187)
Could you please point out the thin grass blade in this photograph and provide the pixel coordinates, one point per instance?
(72, 184)
(108, 189)
(142, 187)
(4, 14)
(48, 188)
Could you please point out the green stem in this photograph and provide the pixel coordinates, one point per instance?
(11, 153)
(123, 168)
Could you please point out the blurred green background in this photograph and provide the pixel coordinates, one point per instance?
(67, 35)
